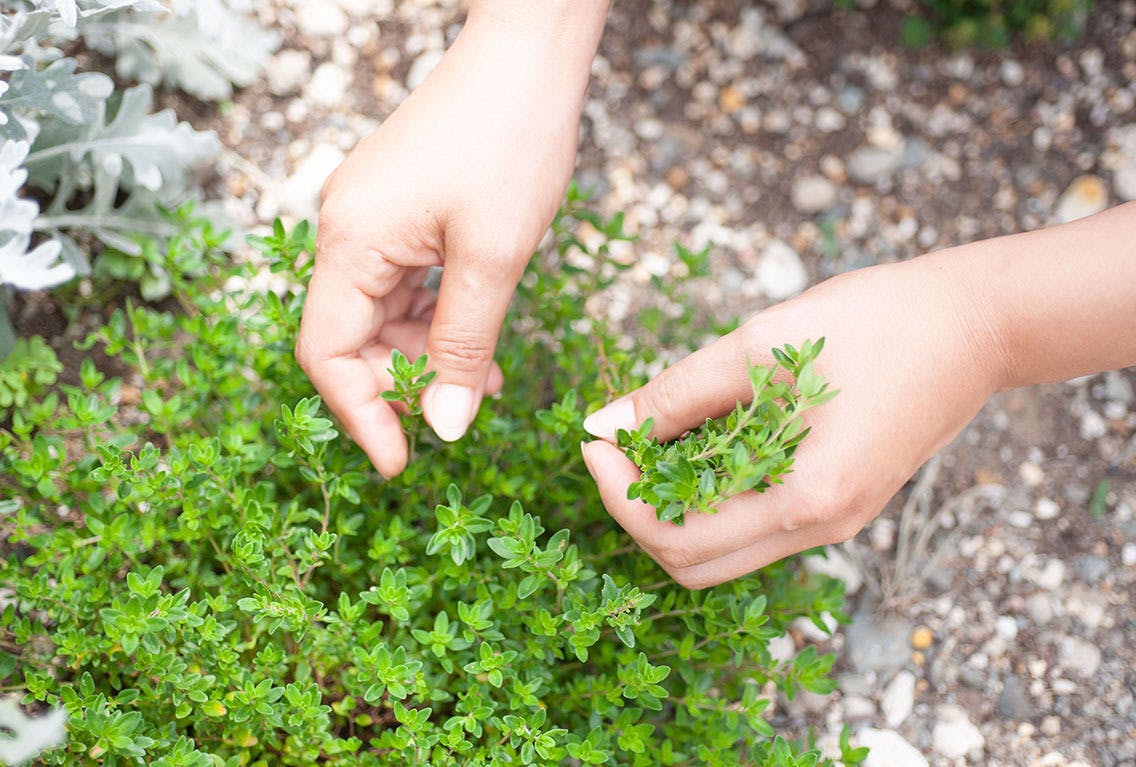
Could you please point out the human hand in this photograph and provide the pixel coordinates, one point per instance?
(466, 174)
(914, 354)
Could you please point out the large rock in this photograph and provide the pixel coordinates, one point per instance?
(954, 736)
(898, 699)
(836, 564)
(780, 272)
(887, 748)
(299, 194)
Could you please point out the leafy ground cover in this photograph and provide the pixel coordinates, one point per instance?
(204, 572)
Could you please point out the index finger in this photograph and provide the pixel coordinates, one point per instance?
(339, 319)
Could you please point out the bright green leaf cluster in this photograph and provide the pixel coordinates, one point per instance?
(204, 571)
(751, 448)
(410, 378)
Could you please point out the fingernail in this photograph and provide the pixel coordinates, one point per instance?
(605, 422)
(584, 452)
(449, 409)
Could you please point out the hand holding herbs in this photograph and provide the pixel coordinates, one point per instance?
(906, 389)
(750, 449)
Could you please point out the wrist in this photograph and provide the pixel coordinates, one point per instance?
(1056, 303)
(569, 28)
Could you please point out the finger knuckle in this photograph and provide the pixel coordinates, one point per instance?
(665, 394)
(674, 556)
(826, 502)
(844, 528)
(461, 350)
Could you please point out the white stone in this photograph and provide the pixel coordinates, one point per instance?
(1093, 425)
(780, 272)
(1064, 686)
(810, 630)
(954, 736)
(328, 86)
(813, 194)
(1006, 627)
(898, 699)
(1032, 474)
(1013, 73)
(1078, 656)
(1124, 183)
(1051, 576)
(857, 708)
(781, 648)
(1046, 508)
(299, 194)
(887, 748)
(828, 120)
(422, 67)
(319, 18)
(1019, 519)
(882, 534)
(839, 565)
(1128, 555)
(872, 164)
(1039, 607)
(288, 71)
(1086, 196)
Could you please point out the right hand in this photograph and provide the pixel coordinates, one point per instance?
(466, 174)
(914, 353)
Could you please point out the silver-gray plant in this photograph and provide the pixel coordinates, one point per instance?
(80, 164)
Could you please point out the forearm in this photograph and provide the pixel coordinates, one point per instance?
(1063, 299)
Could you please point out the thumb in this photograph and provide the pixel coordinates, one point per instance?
(472, 300)
(706, 384)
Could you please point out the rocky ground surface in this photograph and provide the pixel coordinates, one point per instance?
(803, 142)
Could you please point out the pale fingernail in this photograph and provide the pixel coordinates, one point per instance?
(605, 422)
(449, 409)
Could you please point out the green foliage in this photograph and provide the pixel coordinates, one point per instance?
(410, 378)
(206, 572)
(751, 448)
(27, 371)
(992, 23)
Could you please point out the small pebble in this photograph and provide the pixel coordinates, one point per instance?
(1032, 474)
(813, 194)
(1046, 508)
(1128, 555)
(921, 638)
(1086, 196)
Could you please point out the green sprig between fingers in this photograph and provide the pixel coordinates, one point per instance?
(751, 448)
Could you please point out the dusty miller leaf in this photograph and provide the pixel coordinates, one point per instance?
(204, 48)
(54, 92)
(153, 151)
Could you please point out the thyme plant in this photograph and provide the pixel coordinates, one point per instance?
(202, 571)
